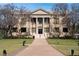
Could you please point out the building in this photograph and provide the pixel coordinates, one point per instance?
(42, 24)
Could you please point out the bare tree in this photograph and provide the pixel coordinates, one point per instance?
(25, 15)
(72, 19)
(59, 9)
(7, 19)
(75, 7)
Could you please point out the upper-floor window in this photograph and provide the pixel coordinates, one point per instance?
(46, 20)
(40, 20)
(23, 21)
(56, 20)
(33, 20)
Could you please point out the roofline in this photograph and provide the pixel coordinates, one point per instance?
(42, 10)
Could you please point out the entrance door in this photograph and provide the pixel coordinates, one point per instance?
(40, 31)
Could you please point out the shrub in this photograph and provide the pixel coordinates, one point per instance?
(65, 37)
(1, 35)
(19, 37)
(53, 37)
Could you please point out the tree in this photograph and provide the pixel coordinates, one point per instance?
(60, 9)
(7, 19)
(75, 7)
(25, 15)
(72, 19)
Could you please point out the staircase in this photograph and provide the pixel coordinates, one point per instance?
(39, 36)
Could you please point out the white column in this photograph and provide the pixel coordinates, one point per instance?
(27, 25)
(19, 25)
(61, 27)
(36, 25)
(30, 26)
(49, 25)
(43, 25)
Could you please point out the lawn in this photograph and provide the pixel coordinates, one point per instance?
(12, 45)
(65, 45)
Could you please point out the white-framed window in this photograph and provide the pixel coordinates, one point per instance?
(14, 29)
(33, 30)
(40, 20)
(46, 29)
(46, 20)
(33, 20)
(56, 29)
(56, 20)
(65, 29)
(23, 21)
(23, 29)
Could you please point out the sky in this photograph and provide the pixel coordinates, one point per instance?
(34, 6)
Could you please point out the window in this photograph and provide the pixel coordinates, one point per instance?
(65, 29)
(23, 21)
(33, 20)
(56, 21)
(56, 29)
(15, 29)
(33, 30)
(46, 29)
(40, 20)
(23, 29)
(46, 20)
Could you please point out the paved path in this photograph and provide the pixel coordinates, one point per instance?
(39, 47)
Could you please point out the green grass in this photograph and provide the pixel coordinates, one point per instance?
(65, 45)
(12, 45)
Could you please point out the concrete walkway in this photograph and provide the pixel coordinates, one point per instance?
(39, 47)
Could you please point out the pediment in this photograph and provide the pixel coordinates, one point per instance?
(40, 11)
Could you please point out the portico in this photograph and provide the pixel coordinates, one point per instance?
(40, 21)
(39, 26)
